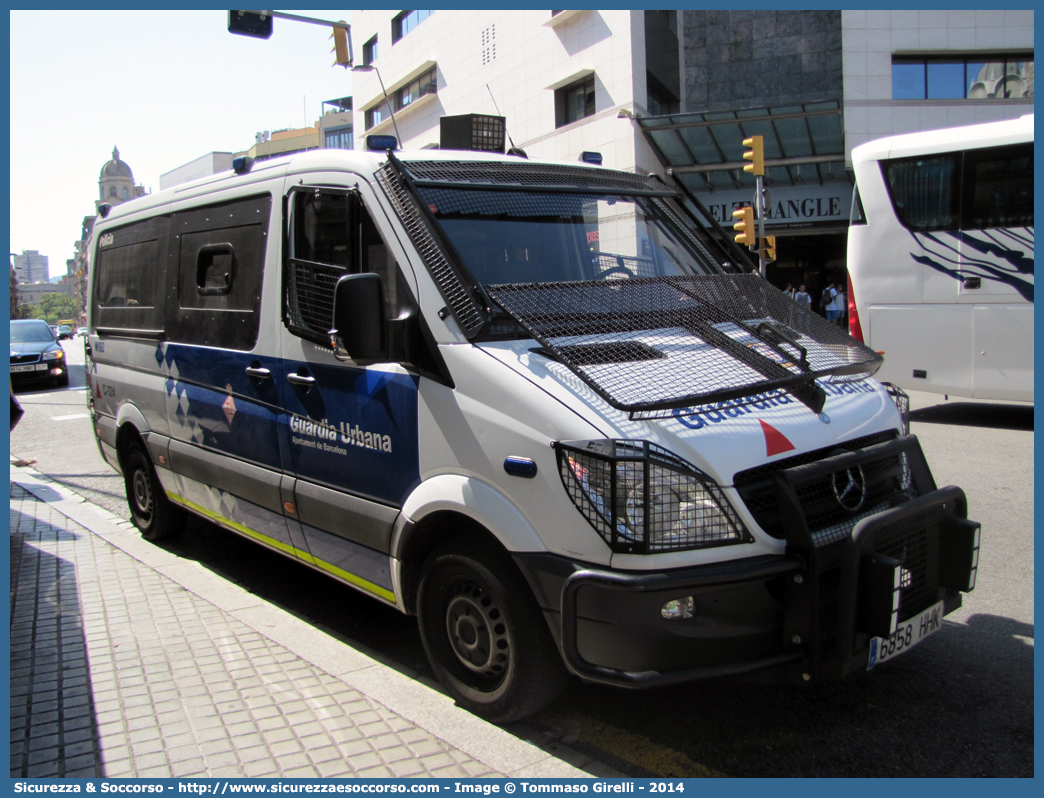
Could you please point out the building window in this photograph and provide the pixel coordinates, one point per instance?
(958, 77)
(112, 191)
(126, 196)
(340, 139)
(661, 99)
(575, 101)
(370, 51)
(407, 21)
(418, 87)
(377, 114)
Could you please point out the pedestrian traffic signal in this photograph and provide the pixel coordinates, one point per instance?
(756, 153)
(768, 247)
(250, 23)
(746, 233)
(343, 56)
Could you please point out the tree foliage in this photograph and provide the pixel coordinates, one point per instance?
(51, 308)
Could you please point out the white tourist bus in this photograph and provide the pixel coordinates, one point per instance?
(940, 258)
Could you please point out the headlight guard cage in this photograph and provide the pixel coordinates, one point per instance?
(619, 486)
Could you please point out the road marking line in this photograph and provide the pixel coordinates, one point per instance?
(67, 418)
(634, 748)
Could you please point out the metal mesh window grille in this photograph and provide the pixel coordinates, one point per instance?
(528, 174)
(642, 499)
(639, 267)
(512, 203)
(309, 298)
(724, 336)
(466, 310)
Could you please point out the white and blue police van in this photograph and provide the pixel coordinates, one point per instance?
(537, 405)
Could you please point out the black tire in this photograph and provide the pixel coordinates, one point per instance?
(62, 381)
(484, 634)
(151, 511)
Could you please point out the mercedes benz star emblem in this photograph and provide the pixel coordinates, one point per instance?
(849, 488)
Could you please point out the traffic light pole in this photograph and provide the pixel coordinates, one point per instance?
(326, 23)
(311, 20)
(759, 203)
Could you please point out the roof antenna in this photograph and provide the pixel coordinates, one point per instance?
(514, 150)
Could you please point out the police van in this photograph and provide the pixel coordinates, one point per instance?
(537, 405)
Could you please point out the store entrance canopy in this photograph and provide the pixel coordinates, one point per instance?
(803, 143)
(804, 157)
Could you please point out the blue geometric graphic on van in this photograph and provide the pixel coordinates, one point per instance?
(356, 430)
(213, 403)
(1002, 255)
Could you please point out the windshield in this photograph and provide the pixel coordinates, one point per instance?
(31, 333)
(529, 237)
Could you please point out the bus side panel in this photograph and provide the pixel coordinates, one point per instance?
(930, 340)
(1003, 339)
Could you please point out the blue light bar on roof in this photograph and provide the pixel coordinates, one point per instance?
(591, 157)
(381, 143)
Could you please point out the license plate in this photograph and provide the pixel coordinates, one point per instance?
(908, 635)
(30, 367)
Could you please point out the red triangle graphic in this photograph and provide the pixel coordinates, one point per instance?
(775, 441)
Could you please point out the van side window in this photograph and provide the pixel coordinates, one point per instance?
(220, 255)
(331, 234)
(925, 191)
(128, 277)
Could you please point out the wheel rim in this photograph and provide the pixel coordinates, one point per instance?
(478, 635)
(142, 493)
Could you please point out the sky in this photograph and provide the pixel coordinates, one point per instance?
(165, 87)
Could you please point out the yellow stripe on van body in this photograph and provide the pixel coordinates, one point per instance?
(286, 548)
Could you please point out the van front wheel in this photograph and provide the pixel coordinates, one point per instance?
(151, 511)
(484, 634)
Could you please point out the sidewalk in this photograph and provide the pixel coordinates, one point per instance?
(129, 661)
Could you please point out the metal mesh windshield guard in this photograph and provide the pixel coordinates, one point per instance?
(644, 500)
(663, 345)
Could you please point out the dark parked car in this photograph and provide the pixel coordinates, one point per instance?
(65, 332)
(35, 354)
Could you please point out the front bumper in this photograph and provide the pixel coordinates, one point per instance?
(48, 370)
(802, 617)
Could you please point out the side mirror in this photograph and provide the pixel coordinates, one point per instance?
(360, 327)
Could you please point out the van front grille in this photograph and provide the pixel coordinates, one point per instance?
(829, 519)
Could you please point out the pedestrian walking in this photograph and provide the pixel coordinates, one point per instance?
(826, 303)
(803, 298)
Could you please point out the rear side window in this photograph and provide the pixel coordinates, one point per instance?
(220, 255)
(128, 278)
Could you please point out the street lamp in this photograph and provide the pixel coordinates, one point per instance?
(387, 99)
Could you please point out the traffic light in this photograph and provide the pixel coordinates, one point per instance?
(746, 233)
(250, 23)
(340, 37)
(756, 153)
(768, 246)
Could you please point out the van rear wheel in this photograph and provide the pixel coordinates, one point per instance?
(484, 634)
(151, 511)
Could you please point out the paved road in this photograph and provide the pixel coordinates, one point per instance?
(961, 704)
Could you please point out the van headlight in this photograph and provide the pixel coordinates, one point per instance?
(644, 500)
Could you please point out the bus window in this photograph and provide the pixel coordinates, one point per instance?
(925, 191)
(1000, 193)
(858, 216)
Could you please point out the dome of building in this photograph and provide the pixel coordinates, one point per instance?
(116, 167)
